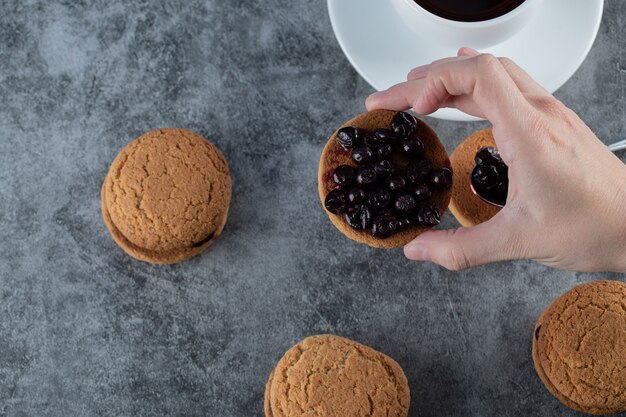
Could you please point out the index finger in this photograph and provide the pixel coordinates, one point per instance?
(482, 80)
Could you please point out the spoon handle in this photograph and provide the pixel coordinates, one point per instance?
(618, 146)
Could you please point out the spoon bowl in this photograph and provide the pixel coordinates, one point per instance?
(484, 198)
(614, 147)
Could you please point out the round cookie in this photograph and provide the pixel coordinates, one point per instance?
(330, 376)
(579, 348)
(166, 196)
(467, 208)
(334, 155)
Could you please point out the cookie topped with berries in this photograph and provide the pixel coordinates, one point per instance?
(384, 177)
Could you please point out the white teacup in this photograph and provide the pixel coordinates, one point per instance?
(454, 34)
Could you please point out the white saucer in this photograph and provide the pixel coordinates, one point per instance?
(383, 50)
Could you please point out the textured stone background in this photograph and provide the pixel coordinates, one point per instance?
(87, 331)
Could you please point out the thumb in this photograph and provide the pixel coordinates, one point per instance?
(462, 248)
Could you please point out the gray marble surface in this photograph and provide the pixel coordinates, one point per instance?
(87, 331)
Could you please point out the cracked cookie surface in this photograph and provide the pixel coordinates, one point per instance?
(579, 348)
(166, 196)
(331, 376)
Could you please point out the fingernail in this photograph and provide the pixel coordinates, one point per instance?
(417, 251)
(375, 95)
(371, 99)
(418, 71)
(470, 50)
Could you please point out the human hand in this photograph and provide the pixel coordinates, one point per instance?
(566, 204)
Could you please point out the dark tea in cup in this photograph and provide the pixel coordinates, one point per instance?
(469, 10)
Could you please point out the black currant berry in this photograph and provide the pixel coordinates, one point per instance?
(485, 177)
(428, 215)
(396, 183)
(362, 154)
(385, 136)
(383, 226)
(405, 204)
(403, 124)
(349, 136)
(488, 156)
(356, 195)
(383, 168)
(417, 171)
(336, 202)
(413, 147)
(403, 223)
(344, 175)
(366, 176)
(422, 193)
(378, 199)
(383, 150)
(359, 217)
(441, 178)
(370, 139)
